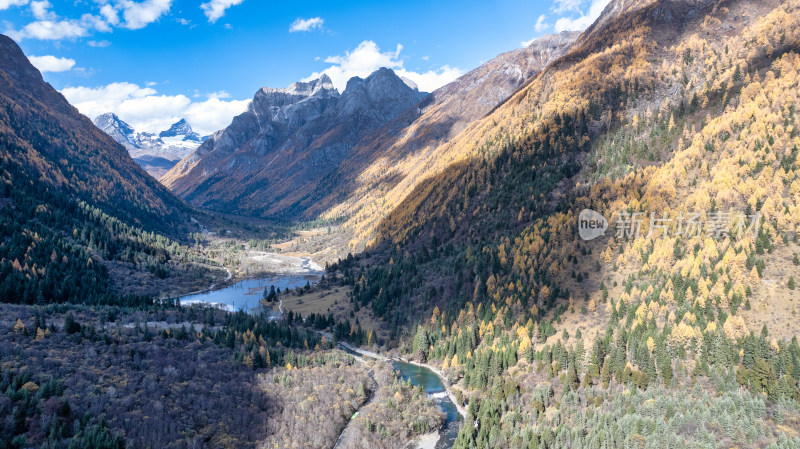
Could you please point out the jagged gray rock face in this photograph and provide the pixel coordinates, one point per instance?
(271, 117)
(438, 118)
(287, 139)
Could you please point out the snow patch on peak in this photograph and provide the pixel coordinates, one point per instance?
(321, 86)
(409, 83)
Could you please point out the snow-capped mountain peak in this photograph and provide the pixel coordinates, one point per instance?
(116, 128)
(181, 129)
(167, 146)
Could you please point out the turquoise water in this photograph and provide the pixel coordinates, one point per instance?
(420, 376)
(431, 383)
(245, 295)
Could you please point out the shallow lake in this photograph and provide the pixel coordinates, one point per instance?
(245, 295)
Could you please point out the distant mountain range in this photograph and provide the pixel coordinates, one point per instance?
(306, 151)
(288, 140)
(298, 151)
(156, 153)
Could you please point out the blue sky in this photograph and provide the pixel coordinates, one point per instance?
(154, 61)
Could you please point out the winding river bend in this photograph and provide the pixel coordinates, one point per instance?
(433, 385)
(245, 295)
(430, 381)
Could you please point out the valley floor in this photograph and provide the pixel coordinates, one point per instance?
(193, 377)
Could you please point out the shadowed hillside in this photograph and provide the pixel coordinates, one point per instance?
(43, 133)
(80, 218)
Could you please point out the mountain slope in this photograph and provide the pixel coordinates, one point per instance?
(386, 166)
(615, 105)
(76, 208)
(286, 141)
(63, 147)
(671, 108)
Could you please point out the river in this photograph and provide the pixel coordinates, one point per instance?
(430, 381)
(419, 375)
(245, 295)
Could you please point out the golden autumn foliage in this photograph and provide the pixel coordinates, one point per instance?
(683, 333)
(700, 130)
(735, 327)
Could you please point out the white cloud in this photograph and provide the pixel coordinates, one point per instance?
(153, 113)
(213, 114)
(562, 6)
(48, 26)
(110, 13)
(139, 15)
(540, 27)
(112, 93)
(5, 4)
(50, 30)
(306, 24)
(367, 57)
(41, 11)
(49, 63)
(146, 110)
(215, 9)
(95, 22)
(584, 18)
(432, 79)
(99, 43)
(220, 94)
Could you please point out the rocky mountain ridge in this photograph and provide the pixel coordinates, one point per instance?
(397, 127)
(288, 140)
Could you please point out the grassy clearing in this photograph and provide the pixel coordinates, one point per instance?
(326, 299)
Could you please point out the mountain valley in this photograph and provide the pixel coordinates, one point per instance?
(590, 241)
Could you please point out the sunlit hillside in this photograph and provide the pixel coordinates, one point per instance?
(670, 109)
